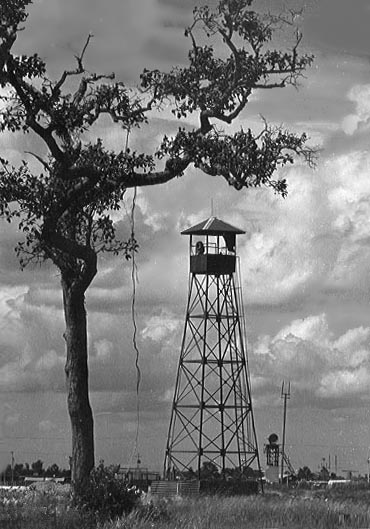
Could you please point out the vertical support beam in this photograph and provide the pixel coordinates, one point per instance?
(12, 467)
(167, 461)
(220, 370)
(203, 369)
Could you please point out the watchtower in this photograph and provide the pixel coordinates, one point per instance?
(212, 418)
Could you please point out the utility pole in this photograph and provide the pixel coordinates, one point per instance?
(285, 394)
(12, 467)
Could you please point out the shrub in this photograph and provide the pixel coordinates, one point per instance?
(105, 495)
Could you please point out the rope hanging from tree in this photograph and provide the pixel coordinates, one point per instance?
(134, 280)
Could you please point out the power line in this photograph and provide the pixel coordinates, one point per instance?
(27, 438)
(322, 445)
(117, 438)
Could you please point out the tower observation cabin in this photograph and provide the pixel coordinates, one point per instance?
(212, 247)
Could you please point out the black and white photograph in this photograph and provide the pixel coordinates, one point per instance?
(184, 264)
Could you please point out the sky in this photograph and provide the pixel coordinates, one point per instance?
(305, 259)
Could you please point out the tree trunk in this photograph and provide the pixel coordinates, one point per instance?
(77, 385)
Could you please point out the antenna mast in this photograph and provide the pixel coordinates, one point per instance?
(285, 394)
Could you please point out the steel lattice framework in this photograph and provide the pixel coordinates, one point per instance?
(212, 418)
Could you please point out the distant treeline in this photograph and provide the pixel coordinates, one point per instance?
(16, 472)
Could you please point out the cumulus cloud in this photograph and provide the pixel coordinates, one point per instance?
(161, 328)
(360, 96)
(319, 365)
(47, 426)
(33, 352)
(29, 373)
(349, 200)
(345, 383)
(316, 239)
(282, 257)
(29, 360)
(12, 420)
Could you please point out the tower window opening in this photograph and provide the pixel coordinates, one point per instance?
(217, 245)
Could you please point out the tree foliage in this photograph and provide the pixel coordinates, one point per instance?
(305, 473)
(64, 210)
(106, 495)
(82, 181)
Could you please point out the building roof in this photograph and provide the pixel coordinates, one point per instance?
(212, 226)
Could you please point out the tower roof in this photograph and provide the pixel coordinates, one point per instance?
(212, 226)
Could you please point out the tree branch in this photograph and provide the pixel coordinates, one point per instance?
(72, 249)
(20, 86)
(173, 168)
(45, 165)
(6, 46)
(77, 71)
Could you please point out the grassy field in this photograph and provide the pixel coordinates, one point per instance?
(49, 508)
